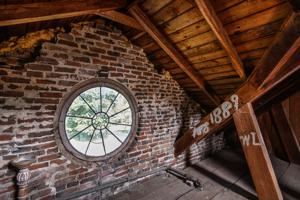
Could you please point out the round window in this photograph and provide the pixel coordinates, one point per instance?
(98, 119)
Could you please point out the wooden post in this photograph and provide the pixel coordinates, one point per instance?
(256, 154)
(215, 24)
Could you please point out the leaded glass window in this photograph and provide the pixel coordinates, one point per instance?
(98, 120)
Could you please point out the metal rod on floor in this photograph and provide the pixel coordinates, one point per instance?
(191, 181)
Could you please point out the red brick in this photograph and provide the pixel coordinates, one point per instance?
(66, 83)
(11, 94)
(15, 79)
(120, 49)
(99, 61)
(72, 63)
(3, 72)
(57, 161)
(64, 69)
(38, 165)
(81, 59)
(34, 74)
(110, 58)
(39, 67)
(45, 81)
(36, 87)
(50, 61)
(97, 50)
(92, 36)
(5, 137)
(46, 101)
(48, 157)
(61, 55)
(51, 94)
(68, 43)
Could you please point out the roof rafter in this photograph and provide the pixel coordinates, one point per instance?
(120, 18)
(35, 12)
(167, 46)
(214, 22)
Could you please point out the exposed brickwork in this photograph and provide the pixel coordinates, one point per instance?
(30, 93)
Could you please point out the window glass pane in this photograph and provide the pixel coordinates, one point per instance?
(81, 141)
(96, 147)
(79, 108)
(120, 131)
(124, 117)
(74, 125)
(111, 143)
(108, 96)
(120, 104)
(92, 98)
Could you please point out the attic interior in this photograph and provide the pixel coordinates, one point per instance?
(164, 100)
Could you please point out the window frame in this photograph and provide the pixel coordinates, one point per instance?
(71, 96)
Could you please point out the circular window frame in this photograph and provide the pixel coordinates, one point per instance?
(75, 92)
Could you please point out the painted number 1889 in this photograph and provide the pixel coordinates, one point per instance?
(218, 115)
(222, 112)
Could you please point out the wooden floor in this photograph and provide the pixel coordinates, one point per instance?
(172, 188)
(223, 176)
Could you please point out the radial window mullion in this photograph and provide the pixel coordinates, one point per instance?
(100, 100)
(88, 104)
(80, 132)
(112, 102)
(103, 142)
(118, 112)
(82, 117)
(87, 148)
(114, 135)
(120, 124)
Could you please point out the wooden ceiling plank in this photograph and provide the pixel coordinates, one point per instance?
(252, 27)
(150, 28)
(212, 48)
(232, 14)
(212, 63)
(217, 58)
(33, 12)
(171, 11)
(262, 18)
(153, 6)
(120, 18)
(137, 36)
(212, 19)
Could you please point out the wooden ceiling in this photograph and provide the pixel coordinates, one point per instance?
(248, 27)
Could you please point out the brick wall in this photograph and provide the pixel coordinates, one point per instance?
(31, 92)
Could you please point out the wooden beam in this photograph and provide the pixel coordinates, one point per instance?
(120, 18)
(249, 91)
(286, 133)
(215, 24)
(178, 58)
(256, 154)
(13, 14)
(281, 63)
